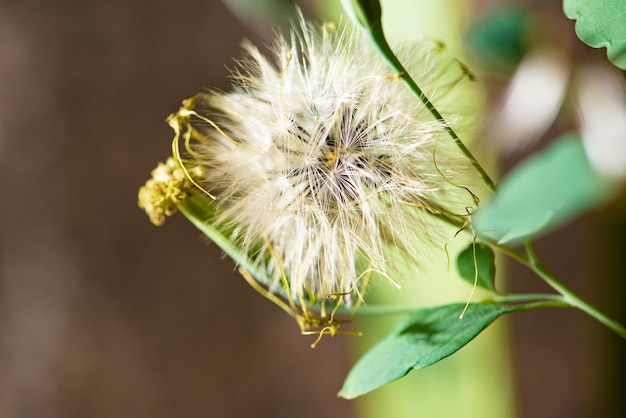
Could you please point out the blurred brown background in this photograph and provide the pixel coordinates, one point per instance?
(101, 313)
(104, 315)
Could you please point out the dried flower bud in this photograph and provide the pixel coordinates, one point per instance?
(168, 186)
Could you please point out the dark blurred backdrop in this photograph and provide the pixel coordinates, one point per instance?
(101, 313)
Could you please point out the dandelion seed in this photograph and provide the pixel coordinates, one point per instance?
(321, 161)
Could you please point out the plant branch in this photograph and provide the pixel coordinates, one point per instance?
(377, 37)
(531, 261)
(527, 297)
(568, 295)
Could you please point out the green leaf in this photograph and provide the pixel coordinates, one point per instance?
(422, 338)
(365, 13)
(201, 211)
(601, 23)
(485, 261)
(544, 191)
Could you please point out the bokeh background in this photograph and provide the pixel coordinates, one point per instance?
(104, 315)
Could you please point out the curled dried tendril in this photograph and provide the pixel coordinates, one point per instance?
(309, 321)
(169, 186)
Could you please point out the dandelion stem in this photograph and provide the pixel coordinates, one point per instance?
(531, 261)
(377, 37)
(542, 304)
(200, 211)
(384, 310)
(527, 297)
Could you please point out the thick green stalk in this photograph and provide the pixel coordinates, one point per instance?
(377, 36)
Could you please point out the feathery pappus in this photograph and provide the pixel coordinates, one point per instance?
(325, 168)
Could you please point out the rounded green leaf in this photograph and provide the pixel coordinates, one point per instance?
(481, 256)
(542, 192)
(422, 338)
(601, 23)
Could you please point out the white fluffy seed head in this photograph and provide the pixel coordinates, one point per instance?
(323, 165)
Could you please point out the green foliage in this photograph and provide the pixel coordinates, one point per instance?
(478, 257)
(499, 38)
(601, 23)
(422, 338)
(365, 13)
(543, 192)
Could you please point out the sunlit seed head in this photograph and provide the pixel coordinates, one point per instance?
(321, 161)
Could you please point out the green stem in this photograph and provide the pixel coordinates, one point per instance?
(200, 210)
(568, 295)
(541, 304)
(527, 297)
(377, 37)
(531, 261)
(537, 301)
(383, 310)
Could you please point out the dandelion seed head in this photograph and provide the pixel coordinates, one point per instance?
(324, 162)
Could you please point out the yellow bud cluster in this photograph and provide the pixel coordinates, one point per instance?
(169, 185)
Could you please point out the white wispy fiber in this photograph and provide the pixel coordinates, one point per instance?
(323, 165)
